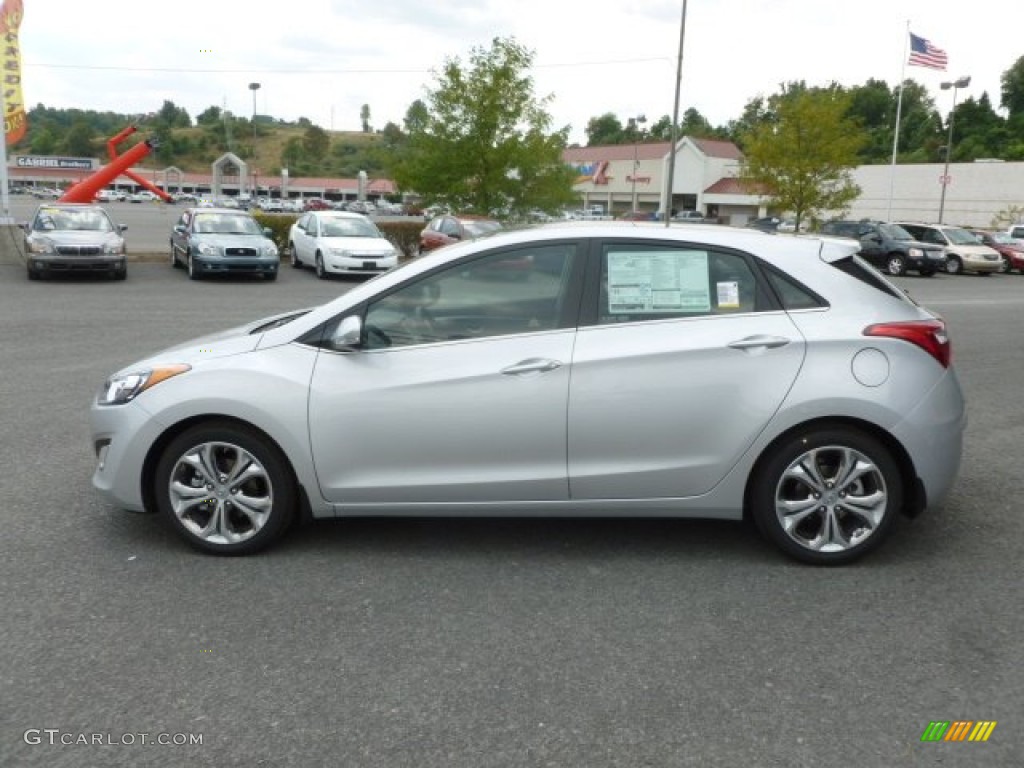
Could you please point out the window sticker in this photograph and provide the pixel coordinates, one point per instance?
(658, 282)
(728, 294)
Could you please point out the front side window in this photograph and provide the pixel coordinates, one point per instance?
(654, 282)
(521, 290)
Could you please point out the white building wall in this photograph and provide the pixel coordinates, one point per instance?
(975, 194)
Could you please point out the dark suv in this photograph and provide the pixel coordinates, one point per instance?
(890, 246)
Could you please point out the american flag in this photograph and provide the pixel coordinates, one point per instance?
(924, 54)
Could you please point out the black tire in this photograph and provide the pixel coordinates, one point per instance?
(217, 506)
(270, 276)
(121, 273)
(896, 265)
(321, 271)
(818, 452)
(294, 257)
(190, 267)
(927, 273)
(984, 274)
(954, 266)
(175, 264)
(33, 274)
(1005, 267)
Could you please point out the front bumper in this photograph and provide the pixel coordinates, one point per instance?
(49, 263)
(122, 436)
(218, 265)
(351, 265)
(982, 263)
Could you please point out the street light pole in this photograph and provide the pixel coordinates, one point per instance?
(254, 87)
(637, 132)
(962, 82)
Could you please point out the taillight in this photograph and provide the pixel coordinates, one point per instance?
(929, 335)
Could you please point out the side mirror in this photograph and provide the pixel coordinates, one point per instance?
(268, 232)
(349, 333)
(180, 229)
(122, 227)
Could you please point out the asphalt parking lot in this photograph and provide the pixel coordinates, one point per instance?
(483, 643)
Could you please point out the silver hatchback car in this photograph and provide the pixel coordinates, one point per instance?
(626, 369)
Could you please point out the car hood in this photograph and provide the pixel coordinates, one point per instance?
(360, 244)
(230, 241)
(77, 237)
(233, 341)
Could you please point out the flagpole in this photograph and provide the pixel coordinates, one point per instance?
(899, 111)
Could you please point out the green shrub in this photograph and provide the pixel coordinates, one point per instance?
(280, 225)
(404, 235)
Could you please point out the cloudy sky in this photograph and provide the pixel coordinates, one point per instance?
(323, 59)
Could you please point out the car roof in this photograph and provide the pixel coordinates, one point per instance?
(215, 209)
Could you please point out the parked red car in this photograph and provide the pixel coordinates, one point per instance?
(316, 204)
(1011, 250)
(445, 230)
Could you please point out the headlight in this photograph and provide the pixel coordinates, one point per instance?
(40, 245)
(114, 247)
(120, 389)
(270, 250)
(206, 249)
(340, 252)
(916, 253)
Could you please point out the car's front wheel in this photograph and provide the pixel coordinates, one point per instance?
(1006, 268)
(296, 264)
(827, 496)
(193, 272)
(225, 489)
(896, 265)
(954, 266)
(321, 271)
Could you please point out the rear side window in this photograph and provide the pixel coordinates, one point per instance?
(854, 266)
(792, 295)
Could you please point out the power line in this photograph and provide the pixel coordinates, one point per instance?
(315, 71)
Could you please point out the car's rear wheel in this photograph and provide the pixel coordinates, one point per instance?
(827, 496)
(296, 264)
(1006, 268)
(174, 259)
(225, 489)
(954, 266)
(896, 265)
(321, 271)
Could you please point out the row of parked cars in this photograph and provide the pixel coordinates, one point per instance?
(901, 247)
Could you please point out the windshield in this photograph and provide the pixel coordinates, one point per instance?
(961, 237)
(344, 227)
(1002, 238)
(895, 232)
(226, 224)
(477, 228)
(71, 219)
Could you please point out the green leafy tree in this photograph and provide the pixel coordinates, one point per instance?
(1012, 92)
(209, 116)
(80, 140)
(315, 142)
(487, 143)
(605, 129)
(417, 117)
(803, 155)
(364, 117)
(661, 130)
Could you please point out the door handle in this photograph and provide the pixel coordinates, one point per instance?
(759, 341)
(531, 365)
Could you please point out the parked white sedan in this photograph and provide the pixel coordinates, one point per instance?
(336, 242)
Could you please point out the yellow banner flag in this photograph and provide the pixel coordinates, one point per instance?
(15, 119)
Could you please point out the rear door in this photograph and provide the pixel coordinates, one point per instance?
(683, 360)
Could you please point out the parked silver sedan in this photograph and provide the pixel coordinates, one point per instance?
(638, 370)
